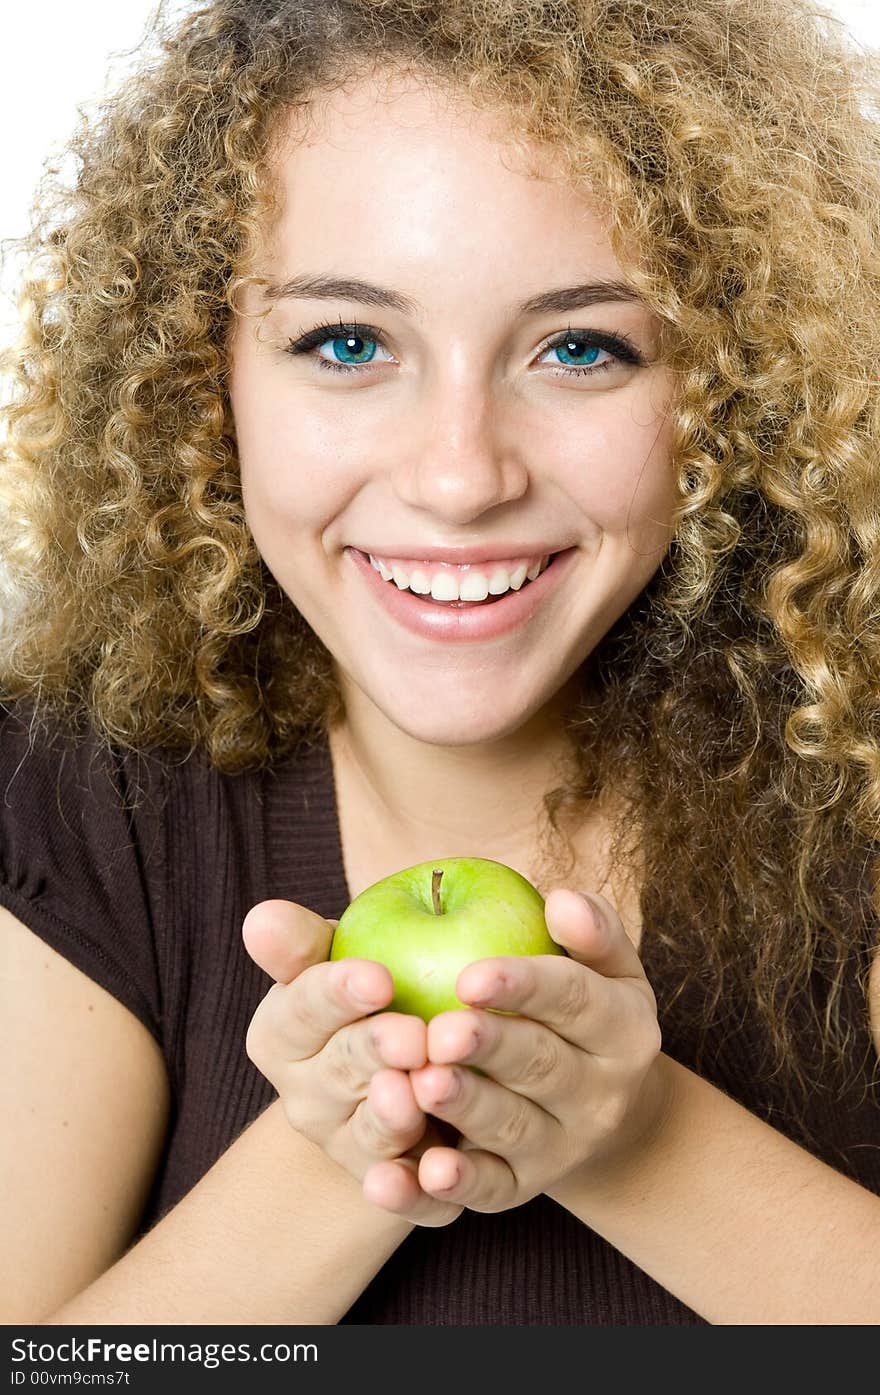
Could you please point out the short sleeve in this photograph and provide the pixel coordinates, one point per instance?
(79, 866)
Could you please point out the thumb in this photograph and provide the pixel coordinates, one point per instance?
(284, 938)
(590, 931)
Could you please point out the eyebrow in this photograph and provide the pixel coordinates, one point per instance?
(557, 301)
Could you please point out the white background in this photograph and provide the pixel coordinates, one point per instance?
(56, 55)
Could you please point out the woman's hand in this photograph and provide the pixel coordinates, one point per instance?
(569, 1081)
(341, 1074)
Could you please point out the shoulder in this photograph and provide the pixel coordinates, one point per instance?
(66, 785)
(43, 754)
(81, 854)
(35, 746)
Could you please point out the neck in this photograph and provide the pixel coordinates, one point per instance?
(481, 800)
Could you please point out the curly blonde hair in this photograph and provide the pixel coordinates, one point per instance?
(734, 706)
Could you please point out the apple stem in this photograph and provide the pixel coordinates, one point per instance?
(435, 890)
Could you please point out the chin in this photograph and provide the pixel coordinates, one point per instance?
(447, 726)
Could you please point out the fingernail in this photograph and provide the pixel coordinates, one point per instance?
(594, 906)
(360, 996)
(485, 994)
(451, 1092)
(450, 1186)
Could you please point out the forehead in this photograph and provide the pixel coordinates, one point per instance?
(405, 152)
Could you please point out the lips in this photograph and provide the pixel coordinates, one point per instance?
(463, 622)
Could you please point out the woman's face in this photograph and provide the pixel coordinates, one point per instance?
(441, 424)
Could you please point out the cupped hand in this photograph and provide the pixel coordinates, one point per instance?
(340, 1066)
(569, 1080)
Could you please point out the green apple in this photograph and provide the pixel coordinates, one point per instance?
(426, 922)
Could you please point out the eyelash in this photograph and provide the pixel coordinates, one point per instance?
(617, 345)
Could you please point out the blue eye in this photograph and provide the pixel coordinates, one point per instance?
(583, 352)
(352, 344)
(354, 348)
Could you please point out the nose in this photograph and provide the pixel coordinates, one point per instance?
(459, 460)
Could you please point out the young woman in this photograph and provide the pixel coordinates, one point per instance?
(450, 430)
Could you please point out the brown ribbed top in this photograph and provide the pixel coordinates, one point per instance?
(140, 872)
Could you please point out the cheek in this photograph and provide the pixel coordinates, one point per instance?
(292, 469)
(622, 475)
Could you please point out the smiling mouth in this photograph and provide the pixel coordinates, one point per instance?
(469, 605)
(458, 604)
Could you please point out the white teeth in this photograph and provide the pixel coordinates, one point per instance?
(444, 587)
(518, 576)
(384, 572)
(474, 585)
(419, 583)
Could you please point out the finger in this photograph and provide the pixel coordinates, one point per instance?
(522, 1055)
(394, 1186)
(387, 1122)
(488, 1115)
(301, 1017)
(582, 1007)
(590, 930)
(283, 938)
(470, 1177)
(353, 1055)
